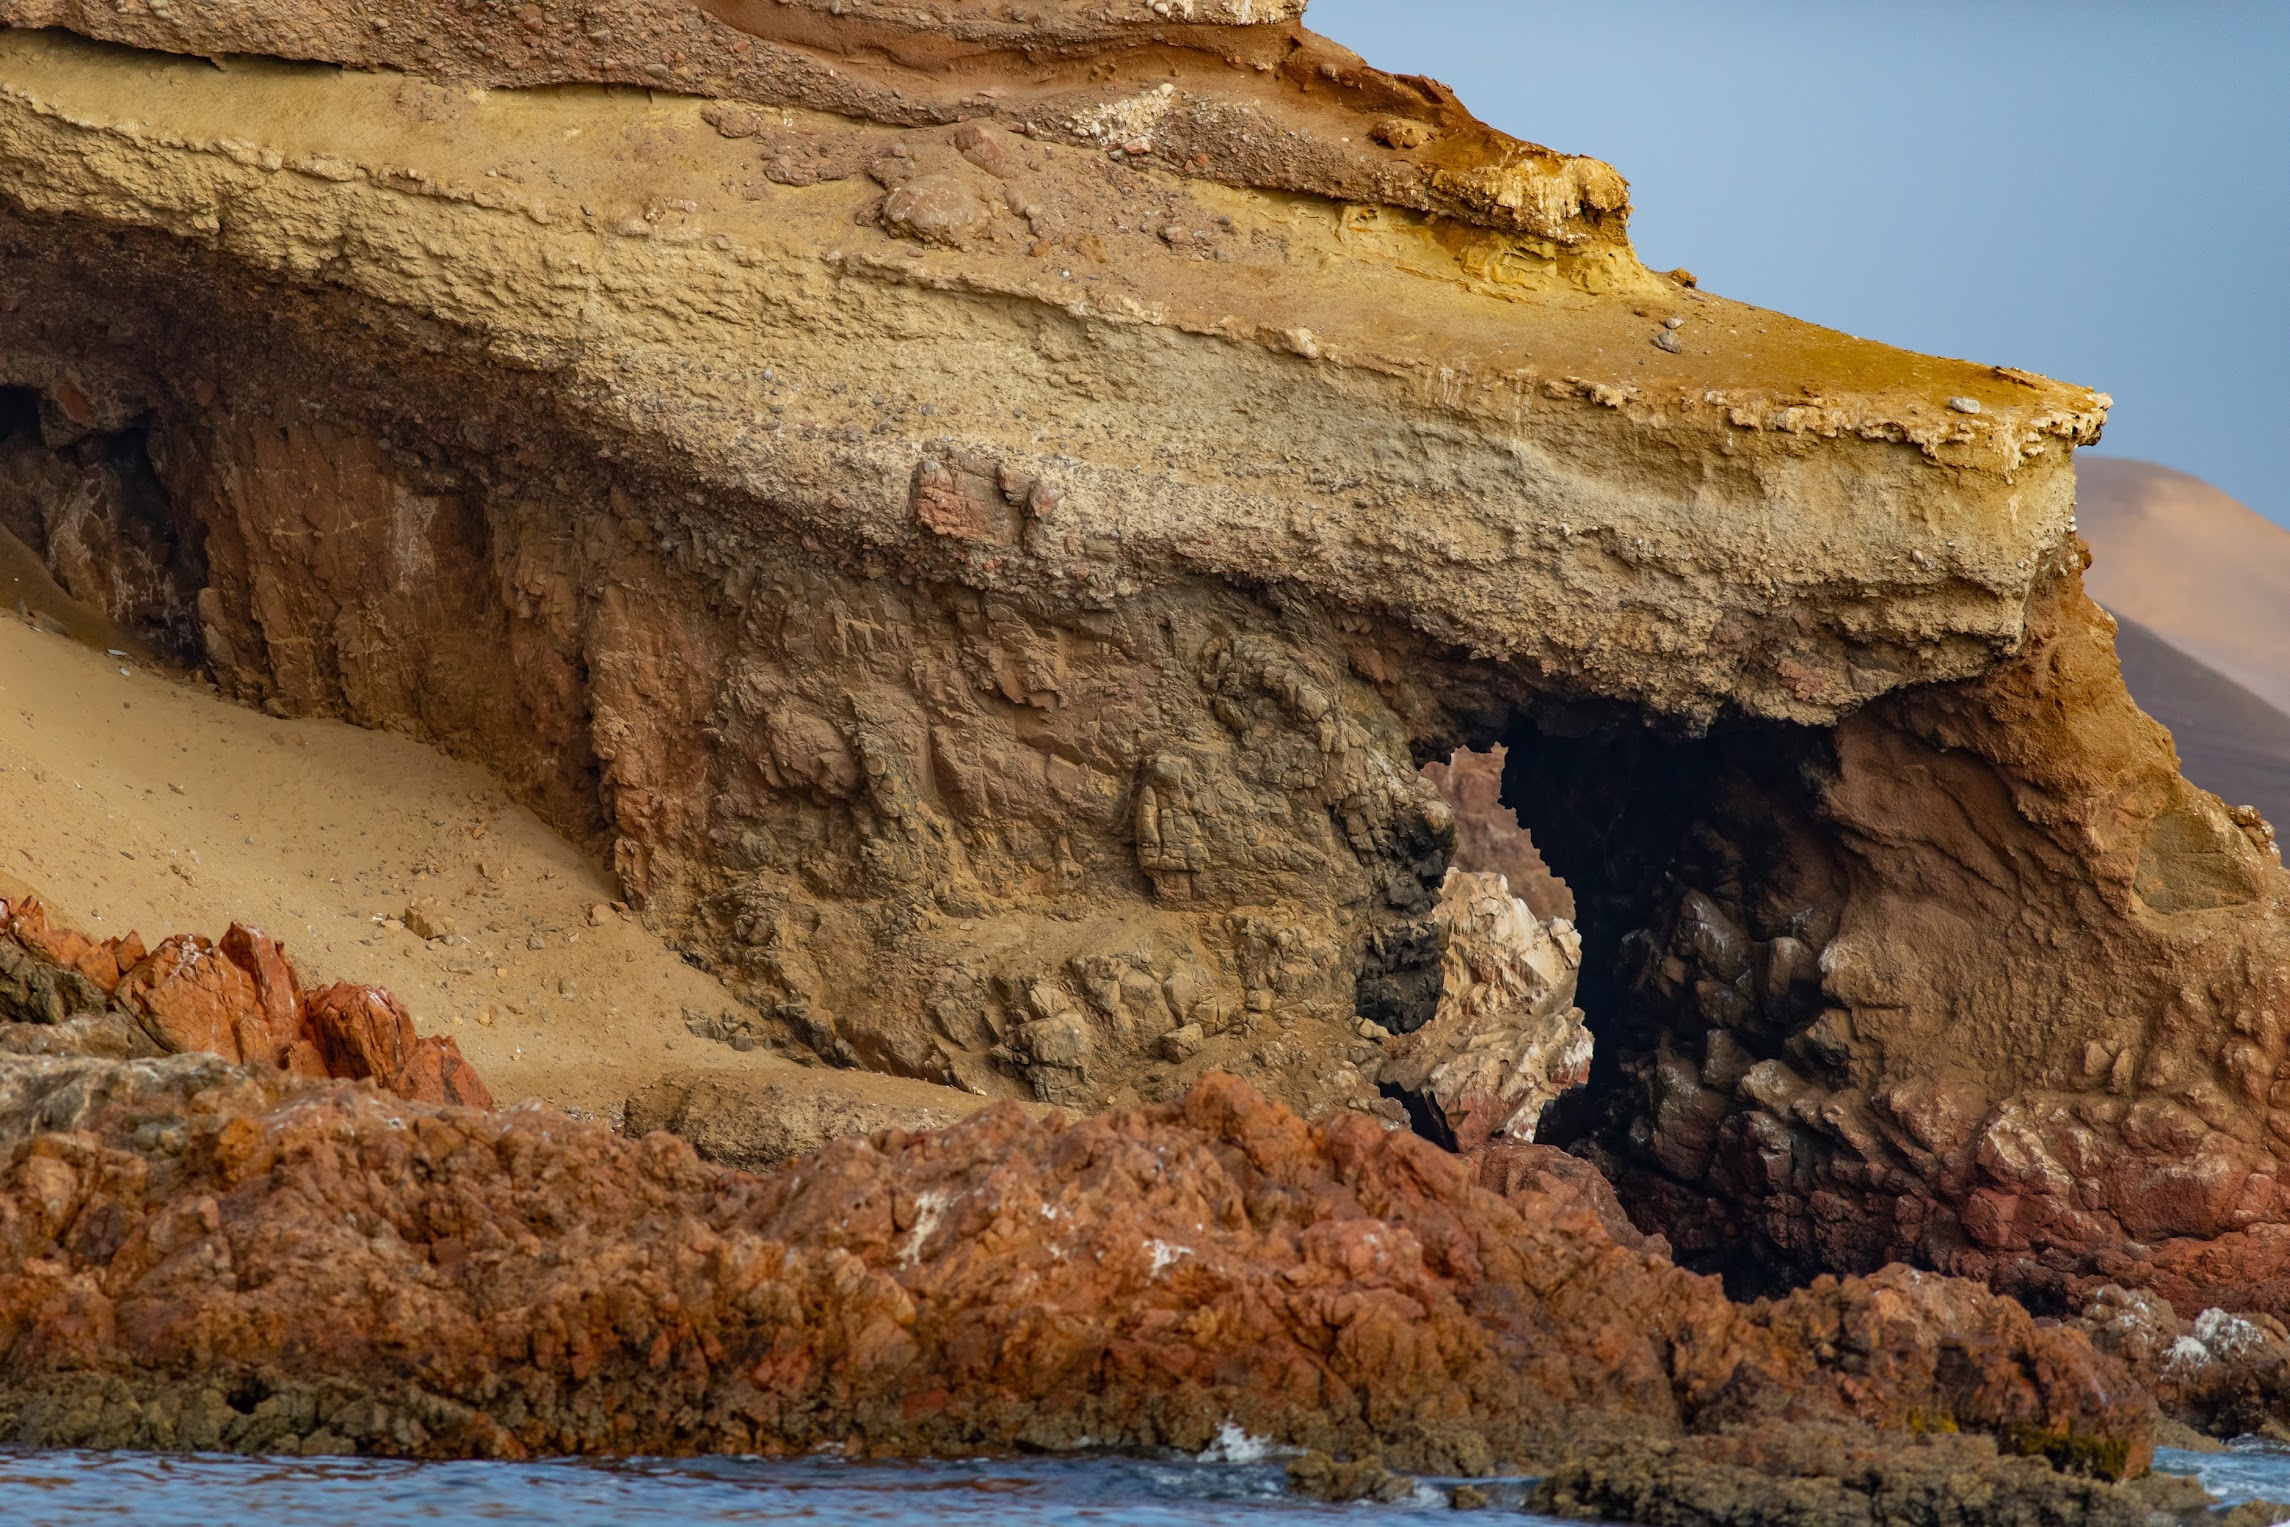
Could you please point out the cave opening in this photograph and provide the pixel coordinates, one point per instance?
(89, 506)
(1704, 888)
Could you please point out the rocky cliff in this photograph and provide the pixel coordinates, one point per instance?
(981, 516)
(323, 1269)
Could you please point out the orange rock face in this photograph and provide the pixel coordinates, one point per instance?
(269, 1028)
(361, 1031)
(242, 1000)
(344, 1273)
(102, 963)
(190, 997)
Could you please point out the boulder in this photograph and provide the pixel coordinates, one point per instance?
(361, 1032)
(270, 1026)
(191, 997)
(436, 1072)
(1507, 1039)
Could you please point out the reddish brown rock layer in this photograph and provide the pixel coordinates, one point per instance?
(1488, 837)
(240, 1000)
(187, 1260)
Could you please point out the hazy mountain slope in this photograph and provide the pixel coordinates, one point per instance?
(2203, 571)
(2231, 742)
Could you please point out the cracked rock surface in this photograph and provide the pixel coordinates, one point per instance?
(197, 1256)
(979, 522)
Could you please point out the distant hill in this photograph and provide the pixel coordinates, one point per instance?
(2231, 743)
(2201, 587)
(2206, 573)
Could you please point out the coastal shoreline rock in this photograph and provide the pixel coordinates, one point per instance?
(200, 1256)
(986, 571)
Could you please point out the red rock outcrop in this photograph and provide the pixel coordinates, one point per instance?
(324, 1270)
(240, 1000)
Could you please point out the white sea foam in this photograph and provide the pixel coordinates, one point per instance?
(1236, 1446)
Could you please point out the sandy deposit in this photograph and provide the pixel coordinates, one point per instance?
(135, 800)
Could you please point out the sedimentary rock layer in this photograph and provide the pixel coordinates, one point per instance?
(986, 586)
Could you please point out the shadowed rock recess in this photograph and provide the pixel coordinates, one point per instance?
(980, 514)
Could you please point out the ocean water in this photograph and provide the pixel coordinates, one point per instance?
(71, 1489)
(2251, 1469)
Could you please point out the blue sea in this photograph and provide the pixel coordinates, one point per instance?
(73, 1489)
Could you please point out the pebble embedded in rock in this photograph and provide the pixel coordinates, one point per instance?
(937, 209)
(1965, 405)
(1665, 340)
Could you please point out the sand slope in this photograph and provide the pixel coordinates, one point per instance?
(2202, 571)
(131, 799)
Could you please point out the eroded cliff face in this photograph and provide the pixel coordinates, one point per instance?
(1973, 979)
(984, 546)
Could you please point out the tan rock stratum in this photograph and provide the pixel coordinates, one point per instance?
(979, 519)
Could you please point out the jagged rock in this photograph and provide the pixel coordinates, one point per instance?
(189, 997)
(74, 954)
(931, 614)
(2227, 1374)
(239, 1000)
(36, 990)
(1336, 1481)
(1507, 1039)
(198, 1256)
(1488, 837)
(1786, 1476)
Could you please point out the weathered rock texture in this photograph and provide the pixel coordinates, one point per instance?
(1839, 1479)
(193, 1256)
(1488, 837)
(739, 1122)
(982, 520)
(1507, 1040)
(1973, 979)
(63, 993)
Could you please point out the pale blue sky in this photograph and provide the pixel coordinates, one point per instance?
(2094, 189)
